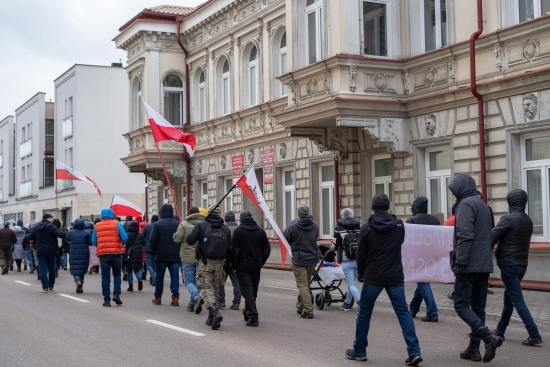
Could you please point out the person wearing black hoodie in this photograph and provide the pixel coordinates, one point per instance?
(149, 256)
(251, 250)
(419, 208)
(380, 267)
(133, 255)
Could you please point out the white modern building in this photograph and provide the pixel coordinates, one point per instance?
(7, 184)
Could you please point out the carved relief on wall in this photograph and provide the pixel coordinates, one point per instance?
(223, 162)
(430, 121)
(282, 150)
(431, 76)
(352, 78)
(497, 49)
(406, 82)
(250, 156)
(530, 105)
(199, 167)
(380, 82)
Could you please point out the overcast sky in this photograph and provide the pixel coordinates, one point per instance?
(40, 40)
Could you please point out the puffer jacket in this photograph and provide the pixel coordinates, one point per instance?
(513, 232)
(109, 235)
(134, 247)
(420, 213)
(18, 250)
(472, 227)
(45, 235)
(162, 236)
(343, 225)
(302, 237)
(80, 241)
(187, 252)
(251, 246)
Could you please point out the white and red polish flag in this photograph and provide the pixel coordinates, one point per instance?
(122, 207)
(64, 172)
(163, 130)
(249, 184)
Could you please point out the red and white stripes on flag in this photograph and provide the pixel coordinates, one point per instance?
(249, 184)
(122, 207)
(163, 130)
(64, 172)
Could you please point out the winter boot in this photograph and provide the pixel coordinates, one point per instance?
(140, 285)
(252, 322)
(209, 319)
(492, 342)
(156, 300)
(78, 284)
(4, 270)
(216, 322)
(472, 350)
(190, 307)
(91, 269)
(175, 301)
(130, 288)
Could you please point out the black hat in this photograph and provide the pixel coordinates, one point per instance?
(380, 202)
(230, 216)
(47, 216)
(245, 215)
(193, 210)
(154, 218)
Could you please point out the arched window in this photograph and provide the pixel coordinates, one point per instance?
(136, 104)
(202, 97)
(226, 92)
(172, 88)
(253, 76)
(282, 62)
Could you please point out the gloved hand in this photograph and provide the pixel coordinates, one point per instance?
(458, 269)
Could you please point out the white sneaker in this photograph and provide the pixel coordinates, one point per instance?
(44, 291)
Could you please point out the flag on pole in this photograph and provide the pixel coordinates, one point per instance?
(64, 172)
(249, 184)
(122, 207)
(163, 130)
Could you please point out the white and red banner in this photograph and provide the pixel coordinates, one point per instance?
(163, 130)
(64, 172)
(425, 253)
(249, 184)
(122, 207)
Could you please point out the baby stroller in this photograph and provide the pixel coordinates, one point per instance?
(329, 280)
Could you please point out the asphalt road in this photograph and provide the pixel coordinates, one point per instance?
(50, 329)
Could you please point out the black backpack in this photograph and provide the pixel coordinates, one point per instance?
(350, 242)
(215, 243)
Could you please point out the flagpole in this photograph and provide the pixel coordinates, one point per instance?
(219, 202)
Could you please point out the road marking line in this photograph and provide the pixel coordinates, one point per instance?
(71, 297)
(191, 332)
(20, 282)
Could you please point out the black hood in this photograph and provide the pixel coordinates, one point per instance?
(215, 220)
(154, 218)
(349, 223)
(79, 224)
(249, 224)
(166, 211)
(20, 223)
(382, 222)
(44, 223)
(305, 223)
(419, 205)
(132, 226)
(462, 186)
(517, 200)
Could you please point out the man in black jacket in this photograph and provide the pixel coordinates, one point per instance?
(7, 240)
(251, 249)
(419, 208)
(513, 235)
(167, 254)
(380, 267)
(472, 262)
(149, 257)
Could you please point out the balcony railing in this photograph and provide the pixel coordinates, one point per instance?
(68, 127)
(25, 149)
(25, 189)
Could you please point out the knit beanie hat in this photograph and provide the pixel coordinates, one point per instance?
(303, 211)
(244, 215)
(193, 210)
(380, 202)
(230, 216)
(47, 216)
(347, 213)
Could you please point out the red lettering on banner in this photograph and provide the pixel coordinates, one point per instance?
(237, 161)
(268, 166)
(267, 155)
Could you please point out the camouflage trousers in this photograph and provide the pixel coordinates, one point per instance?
(210, 278)
(5, 255)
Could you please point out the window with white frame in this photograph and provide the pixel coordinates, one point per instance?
(531, 9)
(136, 103)
(314, 21)
(69, 107)
(282, 62)
(226, 90)
(228, 184)
(438, 173)
(202, 97)
(203, 185)
(375, 28)
(536, 181)
(253, 76)
(435, 24)
(326, 199)
(289, 195)
(382, 171)
(172, 88)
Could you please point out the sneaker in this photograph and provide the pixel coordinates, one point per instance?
(350, 354)
(45, 290)
(106, 304)
(90, 271)
(50, 289)
(345, 306)
(489, 291)
(32, 271)
(298, 311)
(357, 312)
(198, 305)
(413, 360)
(429, 319)
(117, 300)
(307, 316)
(221, 304)
(532, 341)
(153, 284)
(190, 307)
(235, 306)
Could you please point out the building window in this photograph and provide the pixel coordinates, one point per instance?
(253, 76)
(326, 179)
(228, 184)
(226, 92)
(531, 9)
(202, 97)
(314, 20)
(536, 181)
(375, 28)
(289, 195)
(435, 24)
(172, 87)
(382, 170)
(438, 172)
(282, 63)
(69, 107)
(204, 193)
(136, 104)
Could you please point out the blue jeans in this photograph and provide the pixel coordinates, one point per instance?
(151, 268)
(108, 262)
(79, 277)
(64, 260)
(423, 291)
(30, 258)
(46, 268)
(396, 293)
(189, 272)
(471, 297)
(236, 288)
(350, 271)
(137, 272)
(513, 298)
(173, 268)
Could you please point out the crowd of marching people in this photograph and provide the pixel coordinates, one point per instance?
(208, 249)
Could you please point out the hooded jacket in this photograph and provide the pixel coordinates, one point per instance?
(513, 232)
(109, 235)
(147, 233)
(134, 246)
(45, 236)
(379, 250)
(80, 240)
(302, 237)
(18, 251)
(162, 236)
(420, 213)
(187, 252)
(343, 225)
(20, 224)
(198, 235)
(472, 227)
(251, 246)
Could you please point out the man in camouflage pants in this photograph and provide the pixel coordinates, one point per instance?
(211, 272)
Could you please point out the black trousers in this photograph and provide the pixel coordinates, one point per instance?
(249, 281)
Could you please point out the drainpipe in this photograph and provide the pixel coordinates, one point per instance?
(337, 189)
(187, 117)
(473, 89)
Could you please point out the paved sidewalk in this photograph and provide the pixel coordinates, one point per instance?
(538, 302)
